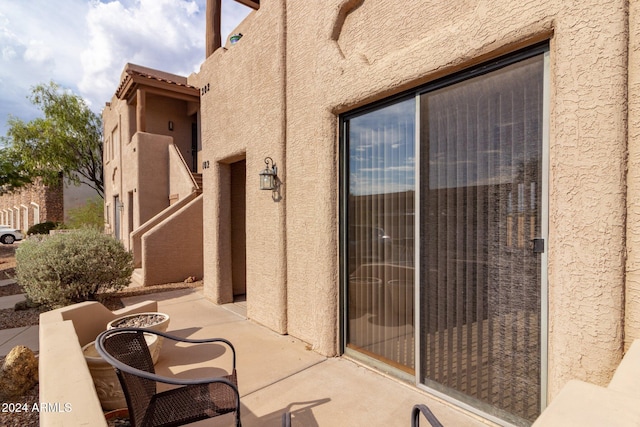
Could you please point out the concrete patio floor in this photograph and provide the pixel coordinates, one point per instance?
(278, 374)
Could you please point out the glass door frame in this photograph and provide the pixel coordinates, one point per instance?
(344, 236)
(539, 49)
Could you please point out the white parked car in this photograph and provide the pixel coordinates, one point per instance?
(8, 234)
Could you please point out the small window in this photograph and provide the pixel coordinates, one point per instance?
(107, 149)
(115, 140)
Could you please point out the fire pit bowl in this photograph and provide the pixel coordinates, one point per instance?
(150, 320)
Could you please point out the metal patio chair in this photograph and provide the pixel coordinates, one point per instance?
(197, 399)
(424, 410)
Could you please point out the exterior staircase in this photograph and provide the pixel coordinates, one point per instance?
(197, 177)
(137, 278)
(168, 246)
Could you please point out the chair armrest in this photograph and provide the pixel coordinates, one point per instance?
(155, 377)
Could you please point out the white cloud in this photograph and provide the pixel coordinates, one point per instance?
(162, 34)
(84, 44)
(38, 52)
(8, 53)
(39, 41)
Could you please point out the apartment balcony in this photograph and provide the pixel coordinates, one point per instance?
(276, 373)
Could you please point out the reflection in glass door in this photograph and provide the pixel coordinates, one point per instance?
(380, 235)
(480, 188)
(462, 161)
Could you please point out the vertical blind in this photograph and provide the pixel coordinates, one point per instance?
(480, 209)
(381, 234)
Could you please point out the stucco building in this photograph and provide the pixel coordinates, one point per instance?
(153, 200)
(457, 186)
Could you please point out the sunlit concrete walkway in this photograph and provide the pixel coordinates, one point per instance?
(278, 374)
(9, 338)
(25, 335)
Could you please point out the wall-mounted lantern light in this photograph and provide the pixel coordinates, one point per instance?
(268, 175)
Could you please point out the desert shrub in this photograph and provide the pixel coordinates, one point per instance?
(61, 269)
(91, 214)
(42, 228)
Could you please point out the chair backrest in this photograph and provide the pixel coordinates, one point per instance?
(131, 349)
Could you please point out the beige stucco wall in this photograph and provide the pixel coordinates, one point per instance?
(632, 300)
(137, 165)
(181, 183)
(243, 118)
(152, 179)
(160, 111)
(62, 369)
(172, 250)
(137, 235)
(382, 49)
(341, 54)
(116, 120)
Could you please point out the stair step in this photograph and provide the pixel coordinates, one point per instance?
(197, 177)
(137, 277)
(627, 374)
(581, 404)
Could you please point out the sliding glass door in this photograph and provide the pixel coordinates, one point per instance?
(381, 234)
(443, 235)
(480, 190)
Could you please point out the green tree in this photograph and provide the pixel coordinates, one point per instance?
(67, 141)
(91, 214)
(13, 173)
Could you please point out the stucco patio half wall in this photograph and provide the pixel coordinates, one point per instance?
(65, 382)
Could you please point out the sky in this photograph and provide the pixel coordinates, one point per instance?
(83, 45)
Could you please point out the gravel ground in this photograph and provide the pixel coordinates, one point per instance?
(9, 318)
(8, 261)
(10, 290)
(20, 413)
(12, 414)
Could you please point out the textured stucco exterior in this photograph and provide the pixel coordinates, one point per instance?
(150, 152)
(632, 295)
(186, 223)
(279, 91)
(243, 118)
